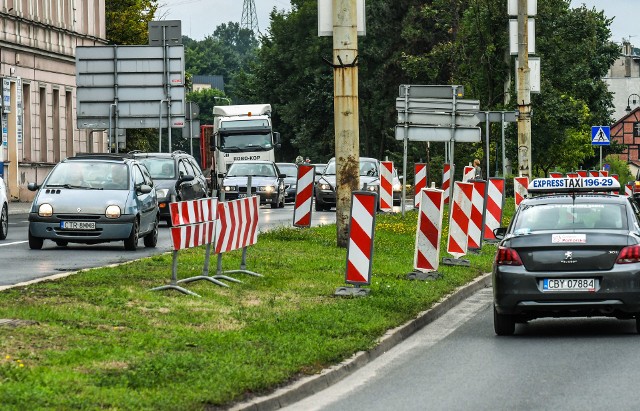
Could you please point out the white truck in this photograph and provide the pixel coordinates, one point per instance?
(241, 132)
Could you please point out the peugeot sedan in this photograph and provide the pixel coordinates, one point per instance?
(325, 188)
(95, 198)
(266, 182)
(571, 251)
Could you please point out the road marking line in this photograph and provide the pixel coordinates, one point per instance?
(15, 242)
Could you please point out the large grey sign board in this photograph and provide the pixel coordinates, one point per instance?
(496, 116)
(437, 104)
(439, 119)
(168, 30)
(132, 78)
(439, 134)
(430, 91)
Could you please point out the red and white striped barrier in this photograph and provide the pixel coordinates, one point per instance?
(477, 214)
(446, 181)
(628, 190)
(459, 222)
(237, 224)
(603, 173)
(573, 175)
(429, 230)
(193, 212)
(555, 174)
(582, 173)
(468, 173)
(494, 206)
(594, 173)
(386, 185)
(192, 235)
(420, 182)
(621, 191)
(304, 196)
(520, 189)
(361, 232)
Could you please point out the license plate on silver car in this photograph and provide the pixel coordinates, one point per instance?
(78, 225)
(569, 284)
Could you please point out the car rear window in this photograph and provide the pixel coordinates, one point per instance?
(570, 216)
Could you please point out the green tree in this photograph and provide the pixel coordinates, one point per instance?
(127, 20)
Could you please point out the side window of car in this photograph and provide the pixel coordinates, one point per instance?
(182, 169)
(196, 167)
(636, 210)
(147, 177)
(138, 178)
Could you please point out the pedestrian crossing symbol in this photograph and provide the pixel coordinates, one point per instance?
(600, 135)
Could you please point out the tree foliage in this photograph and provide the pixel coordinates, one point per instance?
(127, 21)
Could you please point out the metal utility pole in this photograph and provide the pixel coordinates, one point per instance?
(524, 93)
(345, 112)
(249, 18)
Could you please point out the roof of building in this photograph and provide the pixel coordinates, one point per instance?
(215, 81)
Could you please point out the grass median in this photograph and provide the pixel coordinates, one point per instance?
(101, 339)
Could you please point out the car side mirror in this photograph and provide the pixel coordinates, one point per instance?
(281, 175)
(185, 178)
(221, 175)
(33, 186)
(500, 232)
(276, 138)
(144, 189)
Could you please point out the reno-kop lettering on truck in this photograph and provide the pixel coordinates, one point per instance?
(241, 132)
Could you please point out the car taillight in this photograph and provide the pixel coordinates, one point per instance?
(507, 256)
(629, 255)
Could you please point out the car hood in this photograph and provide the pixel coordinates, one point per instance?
(65, 200)
(255, 181)
(331, 179)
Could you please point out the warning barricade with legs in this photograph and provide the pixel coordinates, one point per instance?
(386, 185)
(555, 174)
(237, 227)
(420, 182)
(304, 196)
(582, 173)
(520, 189)
(446, 181)
(628, 190)
(360, 248)
(573, 175)
(459, 224)
(594, 173)
(476, 220)
(468, 173)
(428, 234)
(193, 225)
(493, 208)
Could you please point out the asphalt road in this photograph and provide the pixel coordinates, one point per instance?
(458, 363)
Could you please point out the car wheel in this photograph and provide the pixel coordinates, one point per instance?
(131, 243)
(281, 203)
(4, 222)
(318, 206)
(151, 239)
(62, 243)
(35, 243)
(168, 221)
(503, 324)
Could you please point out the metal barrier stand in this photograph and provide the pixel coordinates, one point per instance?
(174, 279)
(243, 266)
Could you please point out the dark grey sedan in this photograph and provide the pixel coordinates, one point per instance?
(572, 251)
(266, 181)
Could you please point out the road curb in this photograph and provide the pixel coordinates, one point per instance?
(308, 386)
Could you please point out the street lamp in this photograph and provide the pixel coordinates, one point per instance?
(216, 98)
(636, 98)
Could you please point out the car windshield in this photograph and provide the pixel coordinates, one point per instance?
(100, 175)
(160, 168)
(367, 168)
(245, 142)
(251, 169)
(570, 216)
(289, 169)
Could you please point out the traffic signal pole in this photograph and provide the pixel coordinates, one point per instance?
(524, 93)
(345, 112)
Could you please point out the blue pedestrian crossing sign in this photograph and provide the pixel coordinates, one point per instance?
(600, 135)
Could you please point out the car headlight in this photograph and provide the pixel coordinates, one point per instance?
(324, 186)
(397, 187)
(372, 188)
(230, 188)
(45, 210)
(163, 193)
(267, 189)
(113, 211)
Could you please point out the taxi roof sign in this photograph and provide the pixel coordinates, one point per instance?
(573, 184)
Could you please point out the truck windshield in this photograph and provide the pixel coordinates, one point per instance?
(246, 142)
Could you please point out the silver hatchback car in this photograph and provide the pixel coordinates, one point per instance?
(95, 198)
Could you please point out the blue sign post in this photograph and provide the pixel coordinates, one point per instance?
(600, 136)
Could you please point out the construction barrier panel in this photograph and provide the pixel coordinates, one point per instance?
(628, 190)
(304, 196)
(429, 230)
(594, 173)
(476, 220)
(494, 207)
(573, 175)
(446, 181)
(361, 233)
(555, 174)
(457, 242)
(520, 189)
(603, 173)
(193, 225)
(582, 173)
(420, 182)
(386, 185)
(468, 173)
(621, 191)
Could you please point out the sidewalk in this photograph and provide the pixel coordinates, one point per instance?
(16, 207)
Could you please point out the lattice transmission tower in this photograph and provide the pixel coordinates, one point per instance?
(249, 17)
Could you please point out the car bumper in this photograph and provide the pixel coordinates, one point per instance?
(107, 229)
(326, 197)
(290, 195)
(265, 198)
(518, 292)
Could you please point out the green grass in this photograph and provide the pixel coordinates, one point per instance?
(103, 340)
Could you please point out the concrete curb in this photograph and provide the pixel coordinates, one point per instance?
(308, 386)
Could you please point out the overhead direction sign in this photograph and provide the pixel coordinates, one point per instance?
(431, 91)
(437, 104)
(439, 134)
(600, 135)
(441, 119)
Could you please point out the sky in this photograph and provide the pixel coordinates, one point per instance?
(201, 17)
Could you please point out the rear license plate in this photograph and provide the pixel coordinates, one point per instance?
(78, 225)
(569, 284)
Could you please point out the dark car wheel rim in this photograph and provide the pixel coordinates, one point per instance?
(4, 223)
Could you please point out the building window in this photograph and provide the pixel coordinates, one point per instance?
(55, 117)
(26, 122)
(68, 119)
(43, 125)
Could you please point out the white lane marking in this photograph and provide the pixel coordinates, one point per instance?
(15, 242)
